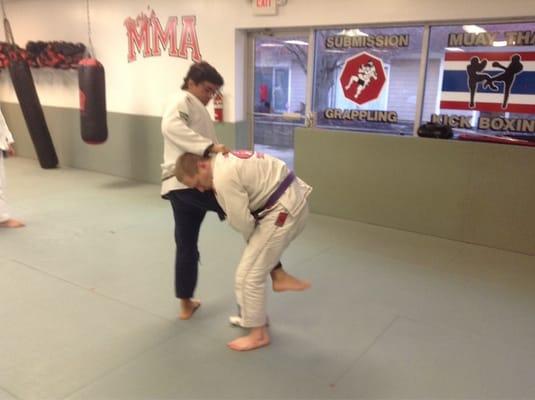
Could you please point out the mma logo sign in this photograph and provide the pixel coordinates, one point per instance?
(148, 37)
(362, 78)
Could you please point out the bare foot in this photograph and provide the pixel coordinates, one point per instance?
(258, 337)
(189, 306)
(11, 223)
(283, 281)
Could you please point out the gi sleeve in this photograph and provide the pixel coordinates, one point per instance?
(175, 127)
(5, 133)
(234, 199)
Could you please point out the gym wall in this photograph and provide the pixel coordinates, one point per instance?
(472, 192)
(434, 187)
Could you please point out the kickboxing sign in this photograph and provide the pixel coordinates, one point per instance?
(363, 78)
(489, 81)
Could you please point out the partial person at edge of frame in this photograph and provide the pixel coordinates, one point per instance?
(6, 145)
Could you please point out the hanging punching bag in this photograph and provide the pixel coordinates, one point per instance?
(33, 112)
(92, 86)
(20, 73)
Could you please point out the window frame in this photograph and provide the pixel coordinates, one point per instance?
(310, 113)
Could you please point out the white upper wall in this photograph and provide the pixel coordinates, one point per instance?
(141, 87)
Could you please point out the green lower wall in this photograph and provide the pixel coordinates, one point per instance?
(234, 135)
(133, 149)
(473, 192)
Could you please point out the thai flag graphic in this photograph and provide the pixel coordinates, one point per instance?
(487, 81)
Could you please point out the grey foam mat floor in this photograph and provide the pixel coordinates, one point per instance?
(87, 308)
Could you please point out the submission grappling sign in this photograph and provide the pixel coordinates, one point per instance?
(362, 78)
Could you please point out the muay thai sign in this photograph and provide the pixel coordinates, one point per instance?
(147, 36)
(489, 81)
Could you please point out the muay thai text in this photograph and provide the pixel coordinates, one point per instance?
(518, 38)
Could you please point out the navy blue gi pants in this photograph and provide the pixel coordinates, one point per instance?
(189, 209)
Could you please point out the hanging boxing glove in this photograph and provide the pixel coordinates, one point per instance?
(91, 81)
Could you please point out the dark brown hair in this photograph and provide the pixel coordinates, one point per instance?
(201, 72)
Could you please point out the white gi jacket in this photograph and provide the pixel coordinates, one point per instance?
(186, 128)
(244, 181)
(6, 138)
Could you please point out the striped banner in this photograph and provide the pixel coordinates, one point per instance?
(487, 81)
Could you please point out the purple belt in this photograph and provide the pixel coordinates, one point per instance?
(277, 194)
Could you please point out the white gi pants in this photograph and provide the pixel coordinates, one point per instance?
(4, 214)
(262, 253)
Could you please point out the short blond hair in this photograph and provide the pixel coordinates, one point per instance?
(187, 165)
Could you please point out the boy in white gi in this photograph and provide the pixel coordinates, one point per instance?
(267, 203)
(188, 127)
(6, 144)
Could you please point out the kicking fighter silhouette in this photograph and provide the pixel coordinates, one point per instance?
(507, 76)
(475, 76)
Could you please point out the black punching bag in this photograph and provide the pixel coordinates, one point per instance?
(33, 112)
(92, 85)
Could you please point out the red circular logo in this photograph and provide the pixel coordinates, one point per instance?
(245, 154)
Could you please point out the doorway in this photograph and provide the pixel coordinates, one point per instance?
(279, 101)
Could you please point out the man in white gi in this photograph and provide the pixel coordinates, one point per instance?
(6, 144)
(267, 203)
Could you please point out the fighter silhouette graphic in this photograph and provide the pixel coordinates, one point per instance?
(473, 70)
(507, 77)
(365, 74)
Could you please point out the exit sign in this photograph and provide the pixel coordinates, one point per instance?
(265, 7)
